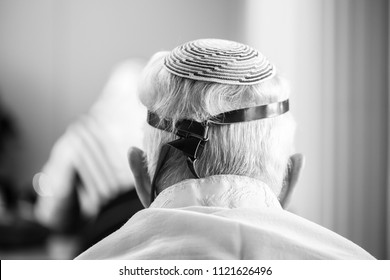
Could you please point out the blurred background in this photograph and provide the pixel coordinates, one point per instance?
(57, 55)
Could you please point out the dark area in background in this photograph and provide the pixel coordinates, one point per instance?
(18, 228)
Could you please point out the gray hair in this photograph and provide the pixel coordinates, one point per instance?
(258, 149)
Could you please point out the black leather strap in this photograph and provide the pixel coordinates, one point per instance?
(160, 162)
(194, 135)
(235, 116)
(252, 113)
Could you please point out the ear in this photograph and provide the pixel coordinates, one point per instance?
(294, 168)
(140, 172)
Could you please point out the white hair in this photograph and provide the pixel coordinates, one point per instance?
(258, 149)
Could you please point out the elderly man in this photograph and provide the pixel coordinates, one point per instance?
(219, 164)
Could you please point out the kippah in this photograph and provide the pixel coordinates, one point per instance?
(219, 61)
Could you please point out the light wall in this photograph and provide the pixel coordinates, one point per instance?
(290, 34)
(335, 54)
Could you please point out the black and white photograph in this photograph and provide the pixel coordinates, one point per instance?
(194, 130)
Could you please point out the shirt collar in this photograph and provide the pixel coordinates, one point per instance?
(227, 191)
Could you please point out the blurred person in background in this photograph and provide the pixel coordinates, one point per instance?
(86, 188)
(219, 165)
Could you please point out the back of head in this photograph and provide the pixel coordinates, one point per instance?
(259, 149)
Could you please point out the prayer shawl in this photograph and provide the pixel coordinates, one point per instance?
(221, 217)
(95, 147)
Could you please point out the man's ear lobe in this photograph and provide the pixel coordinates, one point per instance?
(141, 177)
(294, 168)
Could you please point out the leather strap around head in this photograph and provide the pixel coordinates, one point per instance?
(235, 116)
(252, 113)
(194, 135)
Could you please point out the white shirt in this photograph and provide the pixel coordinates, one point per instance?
(221, 217)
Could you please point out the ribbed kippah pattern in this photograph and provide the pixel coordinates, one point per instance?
(219, 61)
